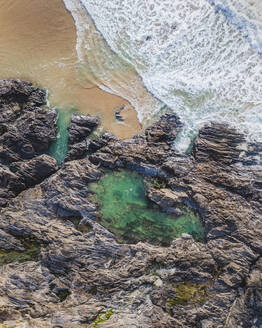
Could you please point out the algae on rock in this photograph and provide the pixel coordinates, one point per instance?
(31, 252)
(188, 292)
(103, 317)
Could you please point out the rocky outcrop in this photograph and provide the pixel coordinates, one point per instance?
(144, 153)
(34, 171)
(80, 128)
(84, 278)
(26, 131)
(214, 143)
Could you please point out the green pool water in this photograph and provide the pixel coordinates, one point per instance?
(59, 148)
(128, 214)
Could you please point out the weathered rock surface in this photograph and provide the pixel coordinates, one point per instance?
(89, 280)
(144, 153)
(26, 131)
(80, 128)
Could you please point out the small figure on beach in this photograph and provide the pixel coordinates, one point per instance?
(118, 115)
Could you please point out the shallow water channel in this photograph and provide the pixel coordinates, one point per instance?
(59, 147)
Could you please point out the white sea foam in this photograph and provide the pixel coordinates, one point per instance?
(100, 65)
(203, 60)
(246, 15)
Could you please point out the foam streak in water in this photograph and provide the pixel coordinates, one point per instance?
(246, 15)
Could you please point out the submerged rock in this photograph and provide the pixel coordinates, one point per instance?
(86, 278)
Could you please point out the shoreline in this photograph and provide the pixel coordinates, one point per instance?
(38, 45)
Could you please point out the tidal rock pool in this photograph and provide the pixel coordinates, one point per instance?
(126, 212)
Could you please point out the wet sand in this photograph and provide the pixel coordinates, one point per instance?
(38, 39)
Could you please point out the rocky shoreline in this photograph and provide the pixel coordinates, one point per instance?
(74, 274)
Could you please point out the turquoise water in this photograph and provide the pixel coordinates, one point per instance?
(128, 214)
(59, 148)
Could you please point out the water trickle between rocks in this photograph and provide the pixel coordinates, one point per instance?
(127, 213)
(59, 148)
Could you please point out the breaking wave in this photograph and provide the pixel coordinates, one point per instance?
(204, 60)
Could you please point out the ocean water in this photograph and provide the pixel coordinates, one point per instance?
(202, 59)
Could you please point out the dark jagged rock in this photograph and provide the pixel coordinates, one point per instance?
(80, 128)
(81, 149)
(38, 127)
(77, 133)
(26, 130)
(90, 122)
(219, 143)
(144, 153)
(168, 200)
(13, 92)
(165, 130)
(87, 279)
(101, 142)
(35, 170)
(78, 150)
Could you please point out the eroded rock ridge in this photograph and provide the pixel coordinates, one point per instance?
(83, 277)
